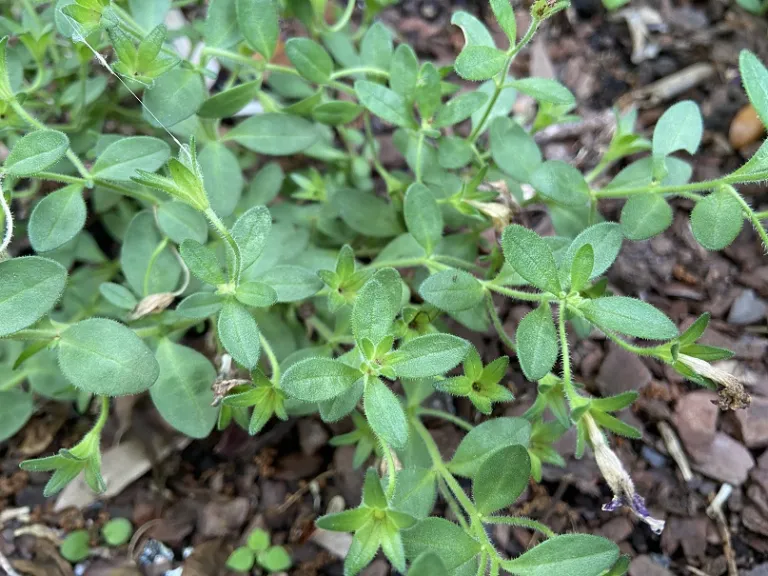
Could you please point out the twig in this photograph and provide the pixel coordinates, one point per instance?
(293, 498)
(696, 571)
(6, 566)
(715, 511)
(675, 450)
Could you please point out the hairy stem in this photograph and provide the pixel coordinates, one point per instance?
(497, 324)
(521, 522)
(519, 294)
(751, 216)
(345, 17)
(445, 416)
(273, 363)
(654, 189)
(225, 234)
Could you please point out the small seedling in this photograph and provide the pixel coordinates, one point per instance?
(76, 547)
(258, 551)
(117, 532)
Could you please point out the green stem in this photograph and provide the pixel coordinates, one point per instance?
(482, 564)
(17, 379)
(518, 294)
(762, 215)
(458, 263)
(445, 416)
(136, 193)
(152, 259)
(623, 192)
(160, 329)
(32, 121)
(501, 78)
(103, 414)
(274, 364)
(345, 17)
(391, 469)
(235, 57)
(495, 567)
(497, 324)
(359, 70)
(639, 350)
(751, 216)
(33, 334)
(419, 154)
(223, 231)
(565, 354)
(452, 504)
(64, 178)
(522, 522)
(601, 167)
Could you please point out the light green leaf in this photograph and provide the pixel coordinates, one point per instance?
(501, 479)
(679, 128)
(182, 393)
(501, 107)
(221, 29)
(629, 316)
(229, 102)
(452, 290)
(459, 109)
(376, 305)
(274, 134)
(265, 185)
(454, 152)
(35, 152)
(222, 178)
(29, 287)
(200, 305)
(250, 233)
(256, 294)
(57, 218)
(605, 239)
(120, 159)
(537, 345)
(76, 546)
(118, 295)
(318, 379)
(429, 355)
(484, 439)
(423, 216)
(545, 90)
(475, 32)
(644, 216)
(384, 103)
(415, 492)
(259, 25)
(369, 215)
(310, 59)
(376, 47)
(582, 266)
(561, 183)
(336, 112)
(239, 334)
(175, 96)
(149, 13)
(480, 62)
(531, 257)
(179, 221)
(572, 554)
(16, 407)
(755, 169)
(514, 150)
(385, 414)
(292, 283)
(717, 220)
(117, 531)
(404, 72)
(427, 564)
(505, 16)
(755, 78)
(202, 262)
(365, 544)
(452, 544)
(104, 357)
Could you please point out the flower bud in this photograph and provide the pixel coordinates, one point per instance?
(731, 390)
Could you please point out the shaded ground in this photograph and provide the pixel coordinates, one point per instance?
(202, 497)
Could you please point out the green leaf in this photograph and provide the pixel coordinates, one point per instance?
(256, 294)
(149, 13)
(480, 62)
(175, 96)
(515, 151)
(428, 96)
(452, 290)
(605, 239)
(258, 540)
(346, 521)
(200, 305)
(423, 216)
(376, 47)
(537, 344)
(755, 78)
(629, 316)
(373, 494)
(229, 102)
(679, 128)
(318, 379)
(310, 59)
(239, 334)
(117, 531)
(475, 32)
(365, 544)
(259, 25)
(755, 169)
(427, 564)
(717, 220)
(614, 403)
(221, 29)
(265, 185)
(76, 546)
(454, 152)
(369, 215)
(118, 295)
(501, 107)
(376, 305)
(336, 112)
(275, 559)
(104, 357)
(695, 330)
(452, 544)
(429, 355)
(57, 218)
(385, 103)
(415, 492)
(505, 16)
(484, 439)
(615, 425)
(404, 72)
(222, 178)
(644, 216)
(572, 554)
(145, 273)
(292, 283)
(459, 109)
(35, 152)
(531, 257)
(16, 407)
(582, 266)
(250, 233)
(180, 222)
(120, 159)
(202, 262)
(561, 183)
(29, 287)
(274, 134)
(242, 559)
(545, 90)
(501, 479)
(182, 393)
(385, 414)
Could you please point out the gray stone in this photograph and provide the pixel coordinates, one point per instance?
(747, 309)
(726, 460)
(622, 371)
(645, 566)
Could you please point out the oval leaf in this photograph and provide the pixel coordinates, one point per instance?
(29, 287)
(57, 218)
(35, 152)
(318, 379)
(537, 345)
(501, 479)
(239, 334)
(629, 316)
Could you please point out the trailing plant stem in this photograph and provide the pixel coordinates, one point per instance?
(497, 324)
(274, 364)
(565, 354)
(519, 294)
(463, 424)
(751, 216)
(225, 234)
(339, 25)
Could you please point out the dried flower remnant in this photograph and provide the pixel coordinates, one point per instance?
(730, 388)
(618, 479)
(152, 304)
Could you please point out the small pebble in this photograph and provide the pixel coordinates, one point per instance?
(746, 127)
(654, 458)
